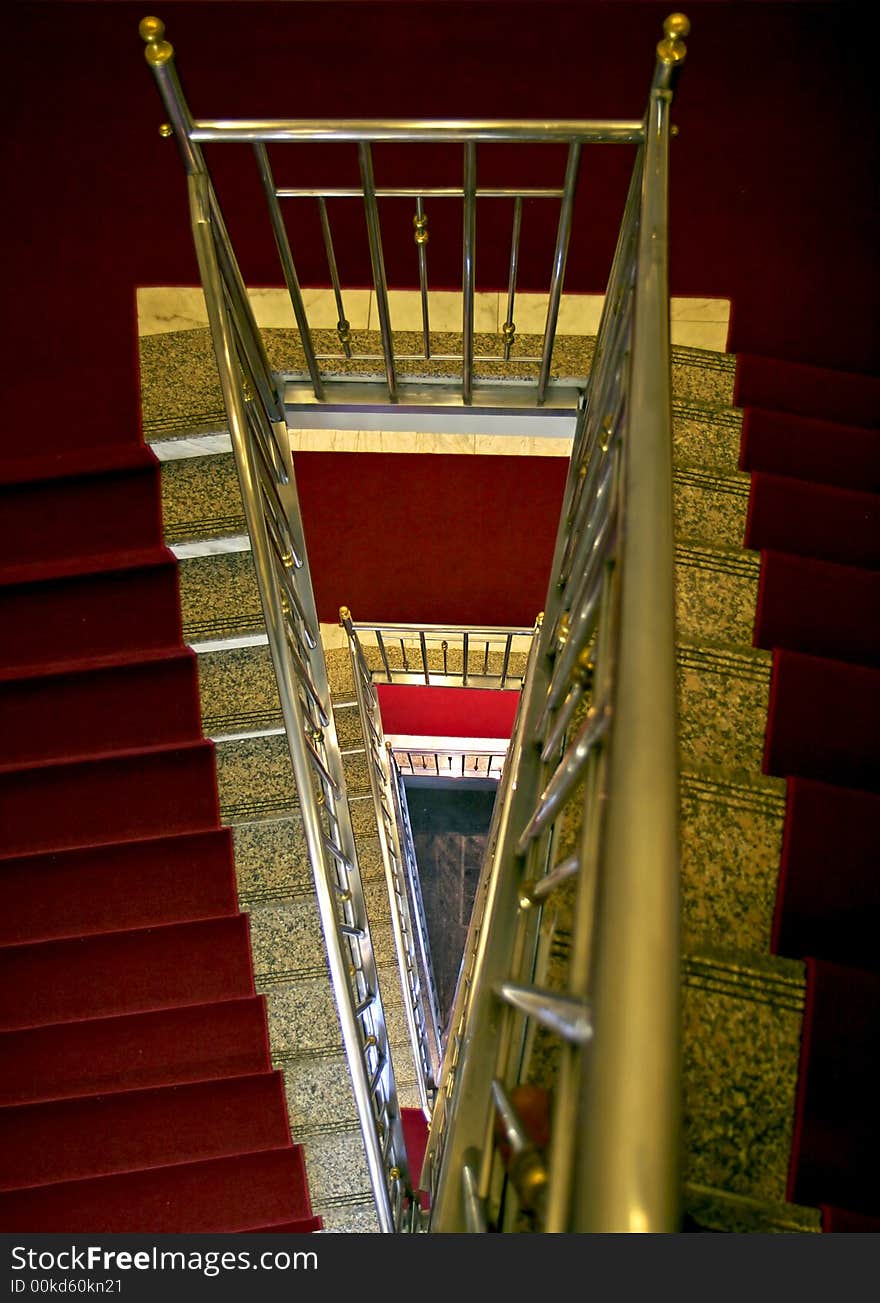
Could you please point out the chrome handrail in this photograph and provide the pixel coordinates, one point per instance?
(594, 748)
(420, 1003)
(261, 446)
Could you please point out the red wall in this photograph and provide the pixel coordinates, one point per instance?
(773, 186)
(447, 712)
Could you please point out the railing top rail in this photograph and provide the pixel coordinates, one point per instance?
(435, 630)
(435, 130)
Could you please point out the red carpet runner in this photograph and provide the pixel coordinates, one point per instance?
(137, 1092)
(812, 444)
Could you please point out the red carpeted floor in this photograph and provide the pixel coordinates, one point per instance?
(136, 1092)
(811, 444)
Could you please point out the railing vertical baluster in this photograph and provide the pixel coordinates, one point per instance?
(507, 646)
(374, 233)
(420, 223)
(559, 259)
(508, 330)
(279, 230)
(382, 652)
(468, 270)
(464, 664)
(424, 648)
(343, 326)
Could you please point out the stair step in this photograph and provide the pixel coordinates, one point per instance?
(710, 505)
(125, 796)
(150, 701)
(804, 390)
(819, 607)
(239, 694)
(103, 510)
(55, 1141)
(166, 967)
(723, 695)
(168, 1047)
(814, 520)
(222, 1194)
(731, 835)
(829, 915)
(824, 721)
(113, 887)
(57, 618)
(836, 1143)
(201, 499)
(271, 860)
(716, 591)
(255, 777)
(824, 452)
(742, 1017)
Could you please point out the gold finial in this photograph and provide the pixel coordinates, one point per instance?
(508, 330)
(420, 223)
(165, 130)
(344, 614)
(158, 51)
(343, 330)
(539, 620)
(672, 49)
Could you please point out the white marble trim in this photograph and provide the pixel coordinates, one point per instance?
(695, 322)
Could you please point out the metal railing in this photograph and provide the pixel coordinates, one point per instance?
(261, 446)
(365, 135)
(594, 749)
(434, 655)
(449, 762)
(420, 1001)
(586, 821)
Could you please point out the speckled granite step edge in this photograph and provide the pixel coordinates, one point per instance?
(721, 1210)
(180, 390)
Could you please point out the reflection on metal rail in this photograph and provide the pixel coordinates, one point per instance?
(420, 1002)
(261, 446)
(586, 819)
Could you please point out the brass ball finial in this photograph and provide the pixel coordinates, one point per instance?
(165, 130)
(677, 27)
(344, 614)
(672, 49)
(151, 29)
(158, 50)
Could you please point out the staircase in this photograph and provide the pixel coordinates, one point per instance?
(143, 1006)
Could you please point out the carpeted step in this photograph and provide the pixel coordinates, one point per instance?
(823, 452)
(168, 1047)
(302, 1227)
(836, 1146)
(132, 884)
(149, 701)
(222, 1194)
(56, 1141)
(106, 606)
(812, 391)
(124, 972)
(828, 898)
(840, 1221)
(824, 721)
(126, 796)
(818, 607)
(96, 510)
(815, 520)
